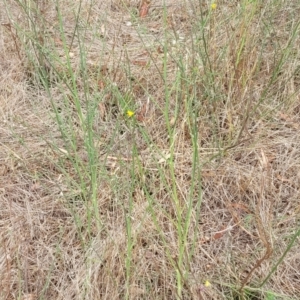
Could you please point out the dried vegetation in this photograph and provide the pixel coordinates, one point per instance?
(202, 183)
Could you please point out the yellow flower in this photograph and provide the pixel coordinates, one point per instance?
(207, 283)
(213, 6)
(130, 113)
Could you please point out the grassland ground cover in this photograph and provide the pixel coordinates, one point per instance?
(149, 149)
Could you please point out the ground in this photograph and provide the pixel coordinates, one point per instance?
(149, 149)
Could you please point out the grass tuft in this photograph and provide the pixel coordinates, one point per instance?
(149, 150)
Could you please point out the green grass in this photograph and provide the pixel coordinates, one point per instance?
(190, 188)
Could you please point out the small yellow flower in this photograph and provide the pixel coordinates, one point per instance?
(213, 6)
(207, 283)
(130, 113)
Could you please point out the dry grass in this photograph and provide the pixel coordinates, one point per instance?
(201, 184)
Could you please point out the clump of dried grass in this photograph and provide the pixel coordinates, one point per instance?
(202, 184)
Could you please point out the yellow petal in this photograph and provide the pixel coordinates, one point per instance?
(130, 113)
(207, 283)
